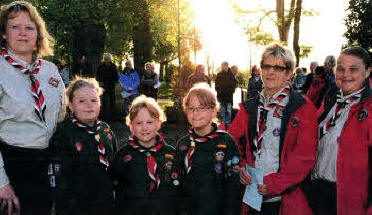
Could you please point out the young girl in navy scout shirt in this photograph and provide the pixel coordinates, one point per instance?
(209, 157)
(145, 168)
(83, 149)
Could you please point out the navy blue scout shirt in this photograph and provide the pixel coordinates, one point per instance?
(212, 186)
(80, 179)
(130, 170)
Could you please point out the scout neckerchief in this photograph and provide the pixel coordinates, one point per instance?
(217, 132)
(261, 124)
(150, 158)
(100, 144)
(341, 103)
(39, 106)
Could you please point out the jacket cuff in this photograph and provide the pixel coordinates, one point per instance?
(270, 189)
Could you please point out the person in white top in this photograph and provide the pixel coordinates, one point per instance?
(341, 175)
(31, 101)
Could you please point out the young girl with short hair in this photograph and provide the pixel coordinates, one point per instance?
(209, 157)
(82, 151)
(145, 168)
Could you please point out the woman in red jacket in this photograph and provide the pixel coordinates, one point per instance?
(340, 177)
(276, 131)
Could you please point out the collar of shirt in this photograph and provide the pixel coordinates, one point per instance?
(267, 101)
(345, 97)
(21, 61)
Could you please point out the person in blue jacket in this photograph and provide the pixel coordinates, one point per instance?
(129, 81)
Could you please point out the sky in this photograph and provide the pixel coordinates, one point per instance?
(223, 38)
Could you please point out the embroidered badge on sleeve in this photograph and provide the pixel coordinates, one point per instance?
(53, 81)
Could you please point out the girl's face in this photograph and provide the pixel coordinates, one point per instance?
(350, 73)
(200, 117)
(145, 128)
(86, 105)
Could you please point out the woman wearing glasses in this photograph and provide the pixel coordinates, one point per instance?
(31, 92)
(342, 171)
(276, 132)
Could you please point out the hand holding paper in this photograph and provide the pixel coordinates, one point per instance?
(251, 196)
(245, 178)
(261, 189)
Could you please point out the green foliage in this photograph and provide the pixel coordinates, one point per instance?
(305, 51)
(165, 91)
(165, 105)
(169, 73)
(310, 12)
(359, 25)
(119, 30)
(77, 27)
(242, 78)
(164, 27)
(74, 24)
(259, 37)
(281, 17)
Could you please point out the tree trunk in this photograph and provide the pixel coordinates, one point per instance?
(86, 34)
(142, 38)
(165, 72)
(296, 32)
(280, 19)
(284, 21)
(161, 71)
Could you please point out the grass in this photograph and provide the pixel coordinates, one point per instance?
(165, 91)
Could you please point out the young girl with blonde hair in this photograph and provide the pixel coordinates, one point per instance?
(145, 168)
(209, 157)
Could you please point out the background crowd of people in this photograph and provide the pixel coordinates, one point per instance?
(309, 135)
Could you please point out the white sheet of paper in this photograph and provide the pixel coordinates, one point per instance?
(251, 195)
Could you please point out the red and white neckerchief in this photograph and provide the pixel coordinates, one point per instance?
(150, 158)
(261, 123)
(36, 92)
(188, 158)
(100, 144)
(340, 105)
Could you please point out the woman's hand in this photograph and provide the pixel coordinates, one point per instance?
(9, 199)
(245, 178)
(262, 189)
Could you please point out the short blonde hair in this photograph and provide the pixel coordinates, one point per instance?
(80, 82)
(148, 103)
(203, 93)
(280, 52)
(43, 37)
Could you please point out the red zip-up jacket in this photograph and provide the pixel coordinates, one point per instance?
(298, 144)
(353, 156)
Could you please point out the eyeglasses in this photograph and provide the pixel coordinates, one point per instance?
(197, 109)
(275, 67)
